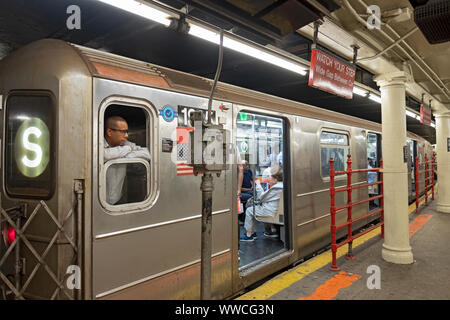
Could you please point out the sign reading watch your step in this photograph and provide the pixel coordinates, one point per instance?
(330, 74)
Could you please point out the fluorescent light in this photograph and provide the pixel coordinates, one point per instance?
(205, 34)
(244, 48)
(411, 114)
(375, 98)
(359, 91)
(140, 9)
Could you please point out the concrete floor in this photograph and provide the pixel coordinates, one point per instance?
(427, 278)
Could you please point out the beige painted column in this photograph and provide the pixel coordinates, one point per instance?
(396, 247)
(443, 161)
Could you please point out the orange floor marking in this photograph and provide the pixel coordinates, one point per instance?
(330, 289)
(418, 223)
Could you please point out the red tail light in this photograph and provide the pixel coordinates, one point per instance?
(10, 235)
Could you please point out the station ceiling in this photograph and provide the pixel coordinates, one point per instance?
(272, 22)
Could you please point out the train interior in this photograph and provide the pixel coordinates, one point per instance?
(135, 186)
(260, 141)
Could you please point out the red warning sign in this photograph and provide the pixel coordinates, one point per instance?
(331, 75)
(425, 115)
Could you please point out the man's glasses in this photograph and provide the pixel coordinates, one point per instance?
(121, 131)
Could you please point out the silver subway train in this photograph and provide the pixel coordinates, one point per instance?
(63, 239)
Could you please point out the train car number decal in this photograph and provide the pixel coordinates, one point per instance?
(185, 114)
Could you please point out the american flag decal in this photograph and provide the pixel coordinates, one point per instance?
(183, 152)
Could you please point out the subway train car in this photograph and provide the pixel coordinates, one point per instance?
(62, 237)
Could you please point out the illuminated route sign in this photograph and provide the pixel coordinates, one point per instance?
(32, 147)
(331, 75)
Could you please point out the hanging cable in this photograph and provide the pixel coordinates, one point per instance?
(216, 78)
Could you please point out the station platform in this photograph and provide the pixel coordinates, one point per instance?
(428, 278)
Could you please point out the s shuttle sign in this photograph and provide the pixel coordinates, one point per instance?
(32, 147)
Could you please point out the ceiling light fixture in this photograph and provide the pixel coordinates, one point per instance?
(142, 9)
(375, 98)
(360, 92)
(247, 49)
(410, 114)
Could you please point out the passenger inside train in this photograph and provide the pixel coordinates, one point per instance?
(265, 205)
(124, 181)
(246, 186)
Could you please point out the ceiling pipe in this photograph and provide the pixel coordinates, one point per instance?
(396, 43)
(441, 86)
(363, 22)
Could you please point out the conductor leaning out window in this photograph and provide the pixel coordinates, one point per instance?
(117, 146)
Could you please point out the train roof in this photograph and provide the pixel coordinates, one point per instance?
(62, 55)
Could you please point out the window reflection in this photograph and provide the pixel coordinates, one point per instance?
(126, 183)
(336, 146)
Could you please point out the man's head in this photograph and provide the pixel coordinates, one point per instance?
(245, 165)
(116, 132)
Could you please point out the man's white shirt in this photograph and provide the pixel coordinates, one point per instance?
(115, 176)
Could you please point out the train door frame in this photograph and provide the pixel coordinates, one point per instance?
(379, 156)
(410, 168)
(262, 267)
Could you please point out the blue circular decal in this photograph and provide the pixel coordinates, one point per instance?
(168, 113)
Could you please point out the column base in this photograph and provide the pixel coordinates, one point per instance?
(444, 208)
(397, 255)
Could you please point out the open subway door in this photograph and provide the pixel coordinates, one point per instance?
(261, 142)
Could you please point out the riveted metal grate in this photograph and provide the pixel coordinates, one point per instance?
(18, 286)
(433, 19)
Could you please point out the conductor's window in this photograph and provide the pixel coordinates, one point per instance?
(126, 156)
(333, 145)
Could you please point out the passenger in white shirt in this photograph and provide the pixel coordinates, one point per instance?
(117, 146)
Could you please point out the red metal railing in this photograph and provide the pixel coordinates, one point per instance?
(427, 185)
(350, 221)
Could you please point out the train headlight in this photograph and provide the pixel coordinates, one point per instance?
(32, 147)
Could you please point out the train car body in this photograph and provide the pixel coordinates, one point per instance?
(55, 99)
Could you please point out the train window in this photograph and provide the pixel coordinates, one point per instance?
(30, 156)
(126, 182)
(126, 176)
(372, 147)
(333, 145)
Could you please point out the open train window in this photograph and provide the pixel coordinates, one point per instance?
(126, 155)
(29, 150)
(333, 145)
